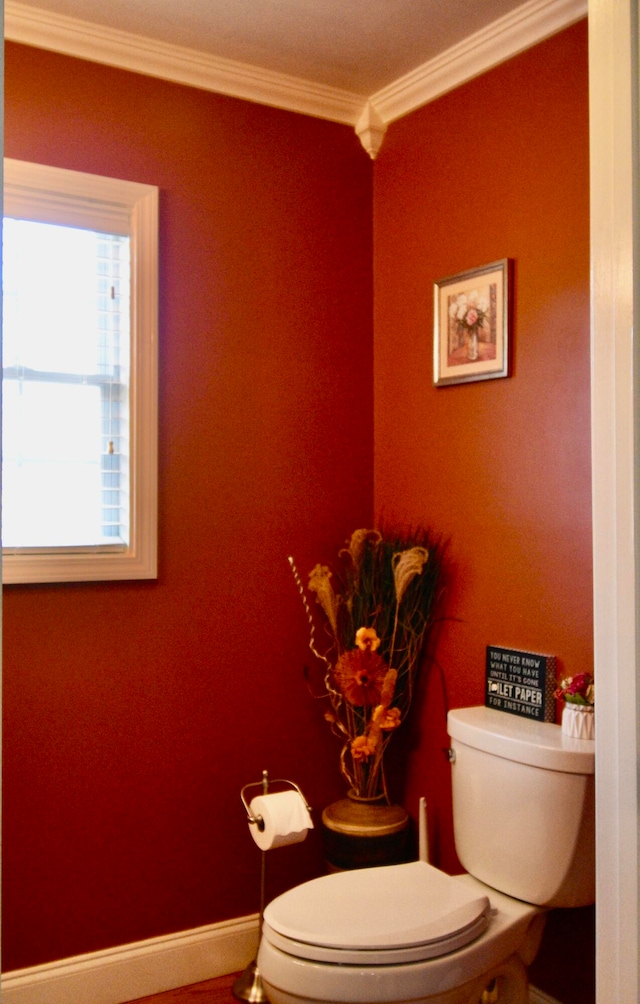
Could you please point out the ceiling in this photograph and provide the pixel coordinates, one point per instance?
(325, 57)
(356, 45)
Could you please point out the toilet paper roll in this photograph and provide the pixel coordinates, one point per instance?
(286, 819)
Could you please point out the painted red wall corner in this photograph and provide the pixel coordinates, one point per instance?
(135, 712)
(496, 169)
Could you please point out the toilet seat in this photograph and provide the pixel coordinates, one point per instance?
(377, 916)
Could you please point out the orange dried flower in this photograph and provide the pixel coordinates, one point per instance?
(362, 747)
(367, 639)
(359, 675)
(388, 687)
(386, 718)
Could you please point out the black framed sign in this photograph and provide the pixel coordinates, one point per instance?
(521, 683)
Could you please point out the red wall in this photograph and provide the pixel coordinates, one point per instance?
(496, 169)
(135, 712)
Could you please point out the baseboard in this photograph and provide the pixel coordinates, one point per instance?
(117, 975)
(540, 997)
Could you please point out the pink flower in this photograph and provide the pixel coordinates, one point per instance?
(579, 684)
(472, 317)
(578, 689)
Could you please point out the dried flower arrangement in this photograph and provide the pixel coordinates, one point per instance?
(378, 606)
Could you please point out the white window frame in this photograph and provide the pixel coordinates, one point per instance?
(56, 195)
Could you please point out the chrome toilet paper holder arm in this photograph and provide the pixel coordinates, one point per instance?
(248, 986)
(264, 784)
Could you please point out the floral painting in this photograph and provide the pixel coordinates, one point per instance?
(471, 325)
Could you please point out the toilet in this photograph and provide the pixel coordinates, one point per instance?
(523, 811)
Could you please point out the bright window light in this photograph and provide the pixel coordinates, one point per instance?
(65, 397)
(79, 409)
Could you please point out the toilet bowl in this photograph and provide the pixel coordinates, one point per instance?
(410, 932)
(399, 933)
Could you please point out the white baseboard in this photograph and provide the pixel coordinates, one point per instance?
(117, 975)
(540, 997)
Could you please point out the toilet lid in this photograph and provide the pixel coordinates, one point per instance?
(396, 913)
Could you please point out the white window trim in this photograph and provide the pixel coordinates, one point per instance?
(55, 195)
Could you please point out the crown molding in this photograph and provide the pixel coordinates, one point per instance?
(371, 129)
(519, 30)
(524, 27)
(100, 44)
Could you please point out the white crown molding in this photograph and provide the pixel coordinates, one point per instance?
(371, 129)
(519, 30)
(526, 26)
(100, 44)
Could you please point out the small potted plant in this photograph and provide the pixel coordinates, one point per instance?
(578, 694)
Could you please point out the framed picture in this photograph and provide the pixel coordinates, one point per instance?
(471, 325)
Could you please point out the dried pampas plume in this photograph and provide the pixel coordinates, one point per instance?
(357, 545)
(320, 585)
(406, 565)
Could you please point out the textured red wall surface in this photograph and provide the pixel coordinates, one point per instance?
(496, 169)
(135, 712)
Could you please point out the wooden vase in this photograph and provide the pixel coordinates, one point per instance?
(364, 833)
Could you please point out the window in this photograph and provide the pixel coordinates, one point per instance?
(79, 376)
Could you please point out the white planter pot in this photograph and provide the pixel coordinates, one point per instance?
(579, 721)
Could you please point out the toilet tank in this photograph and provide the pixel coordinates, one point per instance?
(524, 806)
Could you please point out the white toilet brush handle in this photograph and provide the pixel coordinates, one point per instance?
(423, 835)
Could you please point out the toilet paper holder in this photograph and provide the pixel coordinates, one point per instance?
(264, 784)
(248, 986)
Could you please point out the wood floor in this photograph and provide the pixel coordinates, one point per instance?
(216, 991)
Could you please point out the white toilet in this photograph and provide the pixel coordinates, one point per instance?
(523, 809)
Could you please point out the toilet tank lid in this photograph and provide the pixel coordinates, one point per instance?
(539, 744)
